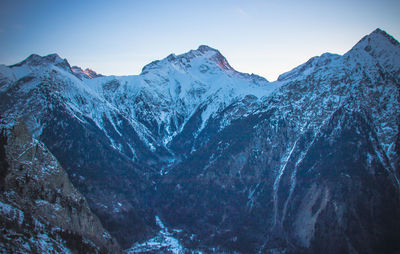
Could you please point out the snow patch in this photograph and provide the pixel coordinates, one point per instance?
(164, 242)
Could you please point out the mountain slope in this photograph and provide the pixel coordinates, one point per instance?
(41, 212)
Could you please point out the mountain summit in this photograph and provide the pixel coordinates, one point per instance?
(380, 47)
(203, 59)
(36, 60)
(380, 35)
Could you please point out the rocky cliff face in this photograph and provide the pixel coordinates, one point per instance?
(41, 212)
(191, 154)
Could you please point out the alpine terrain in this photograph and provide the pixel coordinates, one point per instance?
(192, 156)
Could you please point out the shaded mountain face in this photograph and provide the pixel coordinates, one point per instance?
(306, 164)
(41, 212)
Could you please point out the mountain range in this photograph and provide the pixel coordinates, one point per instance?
(192, 156)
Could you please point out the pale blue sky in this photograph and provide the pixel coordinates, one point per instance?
(120, 37)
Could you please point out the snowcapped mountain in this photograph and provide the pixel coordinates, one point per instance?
(315, 153)
(168, 92)
(366, 78)
(308, 163)
(106, 126)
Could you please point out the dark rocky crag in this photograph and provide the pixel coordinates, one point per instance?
(41, 212)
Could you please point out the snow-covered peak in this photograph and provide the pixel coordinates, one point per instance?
(170, 91)
(379, 46)
(37, 60)
(211, 54)
(203, 59)
(376, 50)
(85, 73)
(377, 39)
(205, 48)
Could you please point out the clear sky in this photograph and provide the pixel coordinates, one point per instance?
(119, 37)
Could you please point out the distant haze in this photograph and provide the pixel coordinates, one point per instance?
(120, 37)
